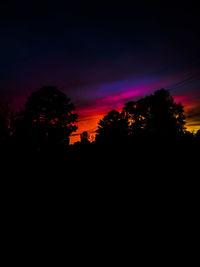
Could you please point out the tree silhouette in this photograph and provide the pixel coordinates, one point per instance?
(137, 114)
(166, 116)
(156, 115)
(112, 128)
(48, 118)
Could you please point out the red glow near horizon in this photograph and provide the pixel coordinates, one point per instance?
(91, 116)
(94, 102)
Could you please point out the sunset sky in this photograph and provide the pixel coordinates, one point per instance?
(101, 55)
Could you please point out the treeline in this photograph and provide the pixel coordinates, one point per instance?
(154, 118)
(49, 118)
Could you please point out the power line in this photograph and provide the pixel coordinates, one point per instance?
(185, 81)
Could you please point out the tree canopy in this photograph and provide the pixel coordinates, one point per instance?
(154, 115)
(48, 117)
(112, 128)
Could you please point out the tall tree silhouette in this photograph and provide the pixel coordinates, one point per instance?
(112, 128)
(156, 114)
(48, 118)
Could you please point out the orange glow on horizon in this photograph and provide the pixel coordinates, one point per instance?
(90, 123)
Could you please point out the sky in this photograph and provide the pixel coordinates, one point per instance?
(102, 54)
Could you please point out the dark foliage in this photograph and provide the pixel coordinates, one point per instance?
(155, 115)
(198, 135)
(112, 128)
(153, 119)
(5, 118)
(47, 121)
(151, 126)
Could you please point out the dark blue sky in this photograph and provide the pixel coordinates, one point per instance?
(96, 51)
